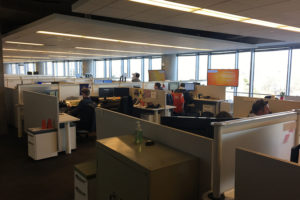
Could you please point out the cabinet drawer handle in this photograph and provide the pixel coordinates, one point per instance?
(30, 143)
(79, 191)
(30, 135)
(80, 179)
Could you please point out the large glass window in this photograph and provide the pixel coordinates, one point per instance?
(126, 67)
(49, 68)
(31, 67)
(295, 81)
(107, 68)
(203, 59)
(72, 68)
(244, 73)
(136, 66)
(186, 68)
(146, 68)
(100, 69)
(270, 72)
(21, 69)
(60, 68)
(13, 68)
(116, 68)
(223, 61)
(156, 63)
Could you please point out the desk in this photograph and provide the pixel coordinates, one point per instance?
(156, 110)
(67, 119)
(214, 102)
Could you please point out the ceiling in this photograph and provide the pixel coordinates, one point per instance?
(279, 11)
(88, 27)
(125, 20)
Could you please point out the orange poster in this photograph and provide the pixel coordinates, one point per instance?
(223, 77)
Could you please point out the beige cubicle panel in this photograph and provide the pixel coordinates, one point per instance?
(68, 90)
(31, 87)
(110, 124)
(260, 177)
(273, 134)
(38, 107)
(153, 96)
(215, 92)
(243, 105)
(11, 100)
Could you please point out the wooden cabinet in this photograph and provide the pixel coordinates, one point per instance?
(137, 172)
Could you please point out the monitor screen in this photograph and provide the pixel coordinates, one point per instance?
(81, 86)
(190, 86)
(173, 85)
(121, 92)
(106, 92)
(223, 77)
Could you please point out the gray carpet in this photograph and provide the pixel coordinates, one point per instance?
(48, 179)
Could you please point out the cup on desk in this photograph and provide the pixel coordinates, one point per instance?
(44, 124)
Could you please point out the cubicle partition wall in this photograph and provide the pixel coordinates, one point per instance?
(32, 87)
(153, 96)
(243, 105)
(273, 134)
(38, 107)
(11, 100)
(214, 92)
(196, 145)
(68, 90)
(259, 176)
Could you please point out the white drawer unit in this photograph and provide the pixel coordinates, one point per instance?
(62, 137)
(42, 145)
(85, 181)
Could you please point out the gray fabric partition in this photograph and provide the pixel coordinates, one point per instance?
(110, 124)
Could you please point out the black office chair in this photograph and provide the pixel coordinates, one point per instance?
(87, 123)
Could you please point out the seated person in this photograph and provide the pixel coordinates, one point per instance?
(157, 86)
(188, 99)
(260, 107)
(84, 111)
(135, 77)
(223, 115)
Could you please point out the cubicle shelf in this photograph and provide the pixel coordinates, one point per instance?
(138, 172)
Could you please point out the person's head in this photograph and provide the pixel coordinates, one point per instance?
(137, 75)
(182, 85)
(223, 115)
(157, 86)
(85, 92)
(260, 107)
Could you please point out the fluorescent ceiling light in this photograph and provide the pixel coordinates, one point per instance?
(24, 43)
(96, 49)
(222, 15)
(168, 4)
(54, 52)
(217, 14)
(22, 57)
(119, 41)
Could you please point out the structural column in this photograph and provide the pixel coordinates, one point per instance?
(87, 67)
(40, 68)
(3, 124)
(169, 64)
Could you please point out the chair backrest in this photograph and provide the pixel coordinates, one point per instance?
(178, 101)
(87, 118)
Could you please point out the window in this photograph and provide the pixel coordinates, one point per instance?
(136, 66)
(126, 67)
(223, 61)
(203, 69)
(59, 66)
(270, 72)
(156, 63)
(107, 69)
(13, 68)
(244, 73)
(72, 68)
(116, 68)
(31, 67)
(186, 68)
(146, 68)
(295, 81)
(21, 69)
(100, 69)
(49, 68)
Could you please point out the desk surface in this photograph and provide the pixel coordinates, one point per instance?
(154, 109)
(211, 100)
(63, 118)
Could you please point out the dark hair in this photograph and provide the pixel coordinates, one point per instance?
(258, 105)
(157, 84)
(85, 91)
(182, 84)
(223, 115)
(137, 75)
(207, 114)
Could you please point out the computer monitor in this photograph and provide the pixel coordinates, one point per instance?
(121, 92)
(173, 86)
(97, 81)
(190, 86)
(81, 86)
(106, 92)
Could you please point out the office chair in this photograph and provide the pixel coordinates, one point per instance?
(87, 123)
